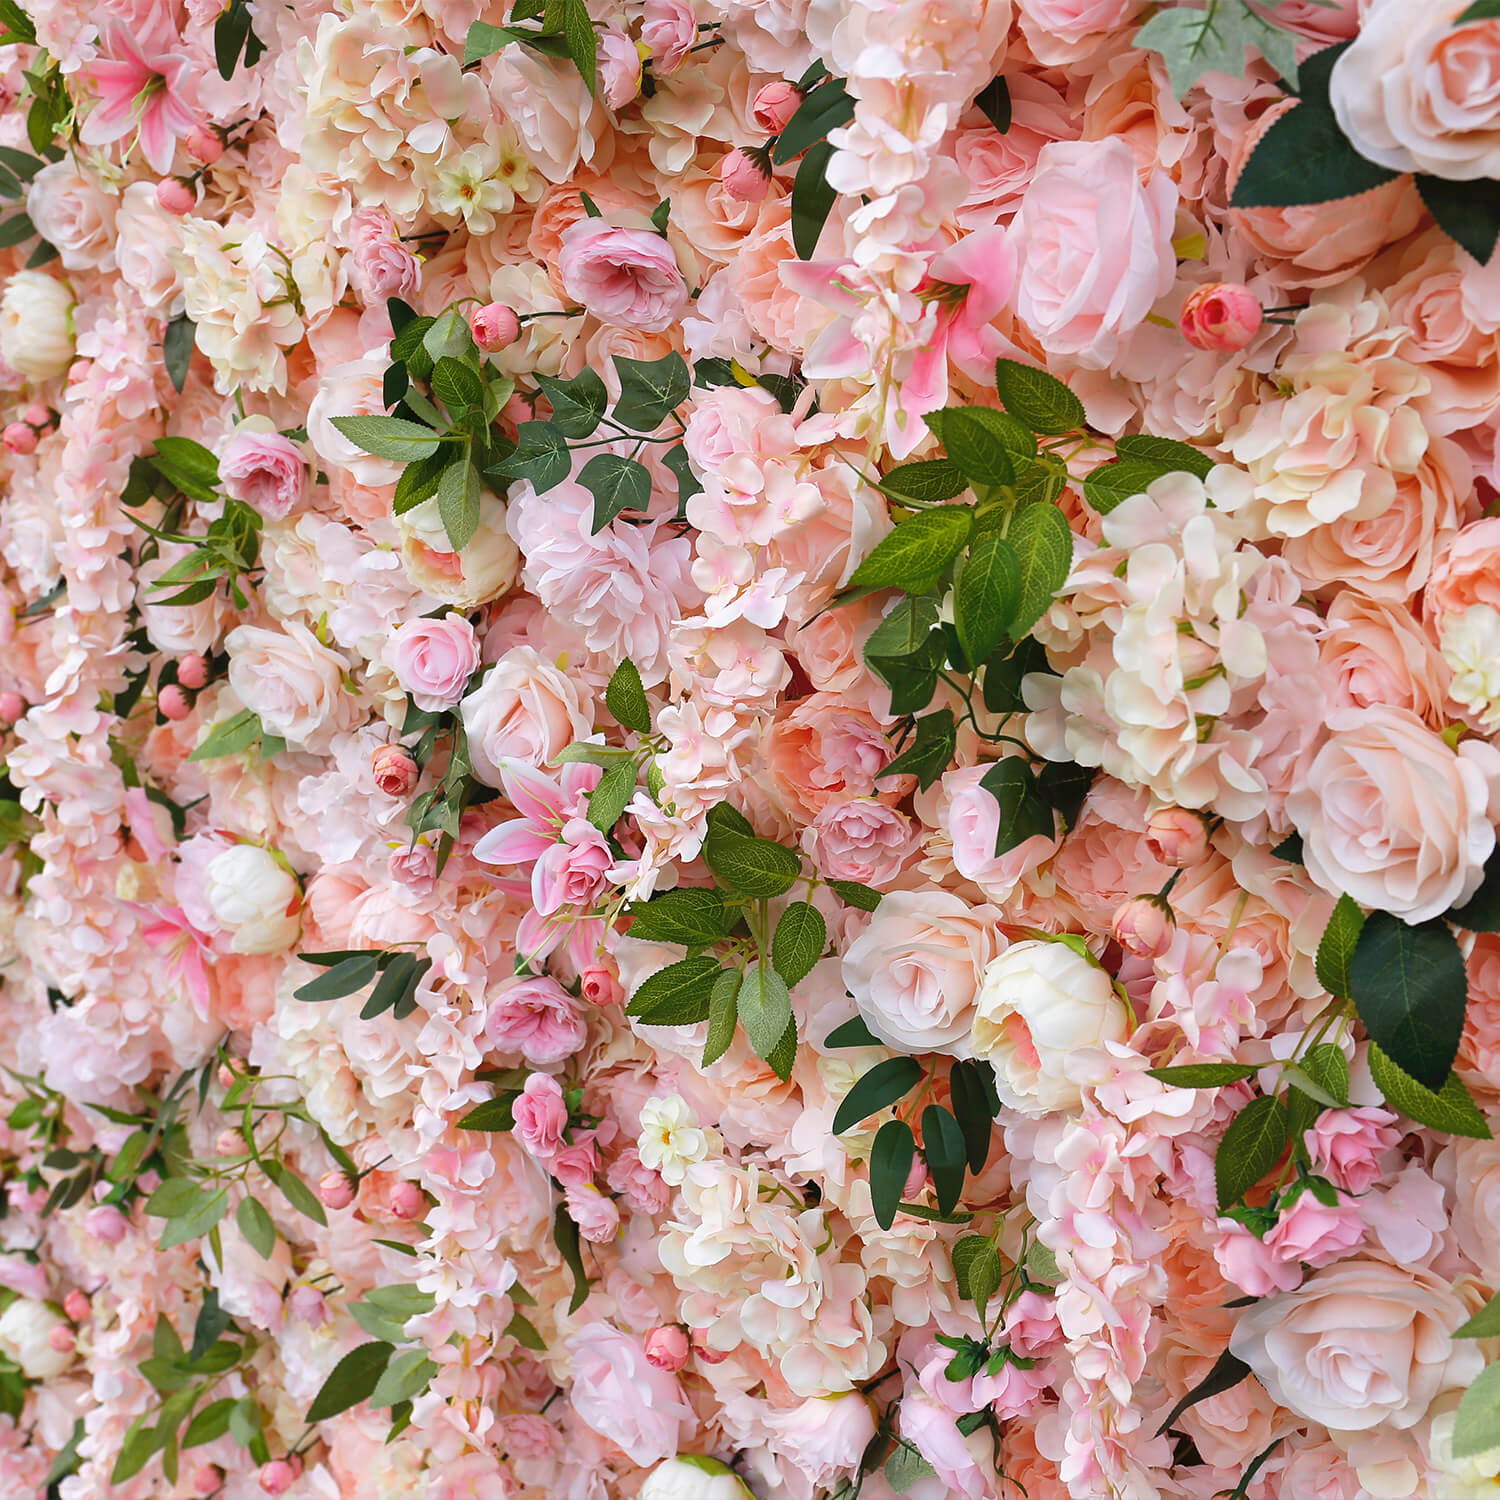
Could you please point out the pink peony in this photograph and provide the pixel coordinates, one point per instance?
(624, 276)
(535, 1017)
(619, 1393)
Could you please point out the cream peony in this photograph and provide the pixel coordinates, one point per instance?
(36, 325)
(689, 1477)
(1041, 1001)
(255, 897)
(25, 1328)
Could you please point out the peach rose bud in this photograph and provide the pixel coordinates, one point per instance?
(175, 196)
(495, 327)
(38, 416)
(601, 985)
(278, 1476)
(1177, 836)
(916, 1180)
(1222, 317)
(744, 177)
(192, 671)
(204, 144)
(395, 770)
(173, 702)
(775, 105)
(207, 1478)
(667, 1348)
(408, 1201)
(335, 1190)
(19, 438)
(1143, 926)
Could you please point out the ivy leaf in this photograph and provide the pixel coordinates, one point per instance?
(891, 1159)
(1023, 813)
(798, 942)
(1336, 947)
(1251, 1146)
(616, 484)
(578, 404)
(650, 390)
(625, 698)
(541, 456)
(914, 555)
(351, 1380)
(1215, 40)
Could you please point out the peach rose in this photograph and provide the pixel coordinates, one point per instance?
(354, 389)
(525, 710)
(1416, 91)
(622, 275)
(1468, 572)
(1391, 816)
(293, 681)
(822, 748)
(1378, 654)
(1361, 1345)
(1471, 1171)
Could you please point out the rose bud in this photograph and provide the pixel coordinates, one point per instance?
(335, 1190)
(173, 702)
(207, 1478)
(12, 706)
(775, 105)
(62, 1339)
(495, 327)
(204, 143)
(19, 438)
(1143, 926)
(1222, 317)
(1177, 836)
(175, 196)
(278, 1476)
(601, 984)
(106, 1223)
(38, 416)
(77, 1306)
(192, 671)
(395, 770)
(667, 1348)
(916, 1179)
(744, 178)
(408, 1201)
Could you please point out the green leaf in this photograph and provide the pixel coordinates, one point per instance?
(616, 484)
(916, 553)
(994, 101)
(389, 437)
(1003, 676)
(824, 109)
(524, 1332)
(689, 915)
(351, 1381)
(1204, 1075)
(930, 481)
(496, 1114)
(294, 1190)
(255, 1224)
(1476, 1424)
(578, 404)
(1216, 40)
(650, 390)
(881, 1087)
(207, 1212)
(1043, 545)
(1226, 1372)
(1305, 158)
(174, 1197)
(210, 1423)
(1328, 1068)
(583, 47)
(449, 336)
(905, 1467)
(676, 995)
(1481, 912)
(975, 443)
(852, 893)
(177, 350)
(798, 942)
(1111, 484)
(890, 1164)
(135, 1451)
(1480, 10)
(1336, 947)
(1485, 1324)
(408, 1374)
(1063, 786)
(457, 385)
(812, 200)
(626, 699)
(188, 466)
(676, 459)
(977, 1269)
(765, 1006)
(1450, 1109)
(1023, 813)
(986, 595)
(930, 753)
(971, 1108)
(852, 1033)
(565, 1237)
(608, 800)
(1410, 992)
(419, 481)
(484, 41)
(1038, 399)
(1251, 1146)
(943, 1146)
(400, 978)
(342, 979)
(782, 1058)
(1167, 453)
(723, 1014)
(541, 456)
(231, 31)
(753, 866)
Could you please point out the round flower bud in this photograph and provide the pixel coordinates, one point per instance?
(254, 897)
(173, 702)
(19, 438)
(395, 770)
(192, 671)
(36, 325)
(204, 144)
(12, 706)
(175, 196)
(278, 1476)
(601, 984)
(106, 1224)
(689, 1477)
(62, 1339)
(38, 416)
(229, 1143)
(743, 177)
(495, 327)
(335, 1190)
(916, 1179)
(667, 1348)
(1222, 317)
(207, 1478)
(775, 105)
(1143, 926)
(408, 1201)
(1177, 836)
(76, 1304)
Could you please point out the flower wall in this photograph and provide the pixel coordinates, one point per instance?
(749, 749)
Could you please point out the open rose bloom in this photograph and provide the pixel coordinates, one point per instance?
(751, 750)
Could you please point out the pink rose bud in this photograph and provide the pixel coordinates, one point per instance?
(204, 143)
(278, 1476)
(495, 327)
(106, 1223)
(916, 1180)
(226, 1075)
(743, 177)
(1222, 317)
(12, 706)
(1143, 926)
(308, 1306)
(207, 1478)
(775, 105)
(707, 1355)
(229, 1143)
(62, 1339)
(175, 196)
(36, 415)
(173, 702)
(601, 985)
(19, 438)
(408, 1201)
(335, 1190)
(192, 671)
(395, 770)
(76, 1305)
(667, 1348)
(1177, 836)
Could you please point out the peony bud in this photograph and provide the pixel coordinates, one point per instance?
(1222, 317)
(192, 671)
(408, 1201)
(204, 143)
(278, 1476)
(1177, 836)
(395, 770)
(36, 325)
(1143, 926)
(175, 196)
(775, 105)
(667, 1348)
(207, 1478)
(173, 703)
(76, 1305)
(19, 438)
(255, 897)
(601, 984)
(12, 706)
(495, 327)
(744, 178)
(335, 1190)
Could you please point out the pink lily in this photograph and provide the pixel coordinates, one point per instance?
(545, 803)
(185, 946)
(141, 92)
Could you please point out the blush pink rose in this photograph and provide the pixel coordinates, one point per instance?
(822, 749)
(861, 839)
(1346, 1145)
(293, 681)
(622, 1396)
(595, 1214)
(536, 1017)
(1094, 247)
(1393, 817)
(1379, 653)
(1468, 572)
(264, 470)
(1315, 1233)
(668, 30)
(1250, 1263)
(571, 872)
(525, 710)
(541, 1116)
(433, 660)
(640, 1186)
(627, 277)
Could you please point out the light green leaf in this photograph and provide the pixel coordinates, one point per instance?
(626, 699)
(1476, 1425)
(765, 1007)
(915, 555)
(389, 437)
(1043, 544)
(1216, 40)
(798, 942)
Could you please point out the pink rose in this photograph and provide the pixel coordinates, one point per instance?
(1031, 1325)
(744, 178)
(961, 1462)
(619, 68)
(434, 659)
(1070, 21)
(1315, 1233)
(265, 470)
(596, 1216)
(668, 29)
(623, 276)
(576, 1164)
(1249, 1262)
(1346, 1145)
(619, 1393)
(1468, 572)
(394, 770)
(541, 1116)
(971, 817)
(573, 871)
(600, 984)
(1223, 317)
(1394, 818)
(824, 1436)
(1094, 248)
(536, 1017)
(862, 840)
(525, 710)
(640, 1186)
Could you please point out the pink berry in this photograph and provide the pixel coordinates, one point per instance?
(175, 196)
(12, 706)
(76, 1305)
(19, 438)
(36, 415)
(495, 327)
(667, 1348)
(335, 1190)
(173, 702)
(192, 672)
(204, 143)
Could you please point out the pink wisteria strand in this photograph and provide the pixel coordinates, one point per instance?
(751, 750)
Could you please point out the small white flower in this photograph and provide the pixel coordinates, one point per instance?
(468, 186)
(671, 1138)
(1471, 646)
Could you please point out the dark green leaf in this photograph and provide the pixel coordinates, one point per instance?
(986, 595)
(494, 1114)
(812, 200)
(798, 942)
(177, 350)
(583, 46)
(688, 915)
(351, 1380)
(943, 1146)
(541, 456)
(565, 1237)
(1204, 1075)
(1468, 212)
(890, 1164)
(782, 1058)
(1043, 544)
(852, 893)
(1305, 158)
(1003, 676)
(524, 1332)
(399, 977)
(1290, 849)
(1023, 814)
(626, 699)
(676, 459)
(616, 484)
(1450, 1109)
(676, 995)
(139, 1444)
(1251, 1146)
(765, 1006)
(650, 390)
(1481, 912)
(972, 1111)
(230, 32)
(852, 1033)
(994, 100)
(930, 753)
(916, 553)
(1227, 1372)
(974, 443)
(210, 1423)
(577, 404)
(881, 1087)
(1038, 399)
(342, 979)
(1063, 785)
(824, 109)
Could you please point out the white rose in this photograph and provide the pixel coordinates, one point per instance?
(73, 213)
(690, 1477)
(914, 972)
(293, 681)
(1471, 646)
(255, 898)
(36, 325)
(525, 710)
(1040, 1001)
(485, 569)
(24, 1330)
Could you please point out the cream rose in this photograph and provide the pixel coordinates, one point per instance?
(484, 569)
(914, 972)
(1418, 93)
(72, 212)
(293, 681)
(689, 1477)
(25, 1329)
(1360, 1345)
(1039, 1002)
(1391, 816)
(525, 710)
